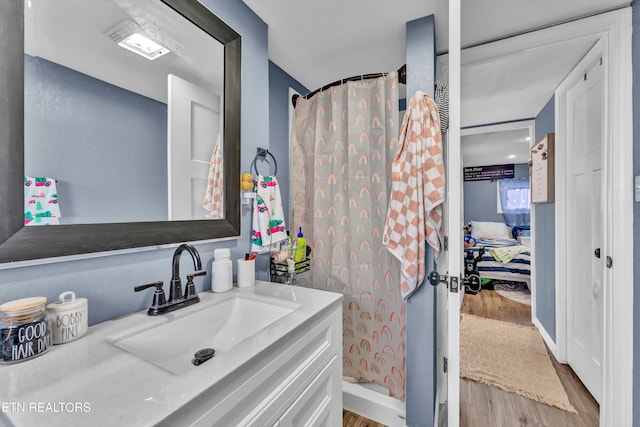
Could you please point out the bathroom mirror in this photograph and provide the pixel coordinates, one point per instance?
(204, 56)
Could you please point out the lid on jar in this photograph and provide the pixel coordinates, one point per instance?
(221, 253)
(23, 306)
(67, 304)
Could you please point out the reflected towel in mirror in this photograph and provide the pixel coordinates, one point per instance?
(214, 195)
(40, 201)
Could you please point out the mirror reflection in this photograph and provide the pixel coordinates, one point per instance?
(123, 114)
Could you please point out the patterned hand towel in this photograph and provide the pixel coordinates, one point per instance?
(268, 217)
(417, 192)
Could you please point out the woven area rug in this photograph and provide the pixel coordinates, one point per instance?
(511, 357)
(518, 292)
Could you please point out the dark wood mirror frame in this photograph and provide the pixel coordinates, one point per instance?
(19, 243)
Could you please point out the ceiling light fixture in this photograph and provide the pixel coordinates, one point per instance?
(511, 156)
(131, 37)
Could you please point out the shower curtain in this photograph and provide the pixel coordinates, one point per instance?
(344, 140)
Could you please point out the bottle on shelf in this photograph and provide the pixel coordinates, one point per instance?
(300, 252)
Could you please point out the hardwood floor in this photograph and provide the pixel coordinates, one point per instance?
(349, 419)
(484, 405)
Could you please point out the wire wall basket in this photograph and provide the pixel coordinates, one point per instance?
(279, 271)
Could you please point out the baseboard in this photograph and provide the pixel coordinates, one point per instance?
(546, 337)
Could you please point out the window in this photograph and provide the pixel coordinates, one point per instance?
(518, 198)
(514, 200)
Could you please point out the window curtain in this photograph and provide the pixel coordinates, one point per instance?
(515, 201)
(343, 142)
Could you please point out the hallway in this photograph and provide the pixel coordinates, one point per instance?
(484, 405)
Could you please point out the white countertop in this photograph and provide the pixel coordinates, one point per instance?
(92, 382)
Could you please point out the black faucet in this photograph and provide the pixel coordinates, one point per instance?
(176, 298)
(175, 292)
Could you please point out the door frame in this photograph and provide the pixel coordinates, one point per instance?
(530, 125)
(613, 31)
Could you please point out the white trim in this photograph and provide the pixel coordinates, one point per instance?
(546, 337)
(454, 215)
(613, 29)
(373, 405)
(532, 248)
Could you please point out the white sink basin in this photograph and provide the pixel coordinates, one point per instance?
(171, 345)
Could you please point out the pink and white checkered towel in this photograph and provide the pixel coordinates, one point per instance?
(417, 192)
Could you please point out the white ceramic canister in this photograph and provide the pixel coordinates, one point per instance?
(68, 318)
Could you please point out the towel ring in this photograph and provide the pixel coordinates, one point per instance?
(262, 154)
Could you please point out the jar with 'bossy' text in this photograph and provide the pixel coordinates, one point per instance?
(24, 329)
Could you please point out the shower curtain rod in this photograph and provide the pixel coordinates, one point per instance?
(402, 78)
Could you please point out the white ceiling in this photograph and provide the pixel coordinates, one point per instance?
(318, 42)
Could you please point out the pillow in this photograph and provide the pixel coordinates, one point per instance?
(489, 230)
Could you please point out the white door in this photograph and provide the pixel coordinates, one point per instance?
(585, 266)
(194, 124)
(453, 220)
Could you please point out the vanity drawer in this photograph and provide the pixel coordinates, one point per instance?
(313, 407)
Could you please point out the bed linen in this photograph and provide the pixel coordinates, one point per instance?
(518, 269)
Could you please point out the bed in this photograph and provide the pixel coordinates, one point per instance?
(503, 258)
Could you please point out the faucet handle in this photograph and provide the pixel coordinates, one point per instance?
(159, 298)
(190, 287)
(157, 284)
(196, 273)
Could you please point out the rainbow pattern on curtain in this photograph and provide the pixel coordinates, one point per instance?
(344, 141)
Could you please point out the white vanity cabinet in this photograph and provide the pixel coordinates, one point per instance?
(298, 383)
(285, 373)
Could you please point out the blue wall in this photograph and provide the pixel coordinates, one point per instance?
(545, 250)
(481, 197)
(421, 306)
(108, 281)
(636, 211)
(279, 83)
(103, 144)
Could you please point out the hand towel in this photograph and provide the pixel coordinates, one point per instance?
(268, 216)
(417, 192)
(40, 201)
(213, 197)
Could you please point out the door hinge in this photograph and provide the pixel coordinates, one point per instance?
(446, 243)
(453, 284)
(445, 365)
